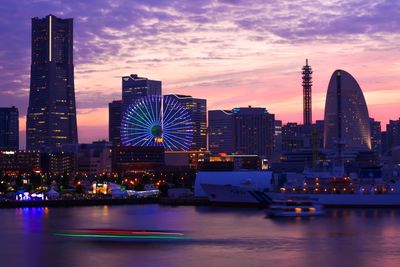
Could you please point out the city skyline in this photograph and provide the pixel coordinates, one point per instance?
(201, 54)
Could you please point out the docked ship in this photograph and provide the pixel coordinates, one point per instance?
(232, 186)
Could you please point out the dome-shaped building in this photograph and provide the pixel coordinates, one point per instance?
(346, 114)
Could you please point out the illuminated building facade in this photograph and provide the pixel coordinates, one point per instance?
(346, 121)
(51, 118)
(197, 109)
(9, 129)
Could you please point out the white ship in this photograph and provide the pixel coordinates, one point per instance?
(232, 186)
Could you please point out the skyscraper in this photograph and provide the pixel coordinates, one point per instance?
(245, 131)
(9, 129)
(197, 108)
(221, 135)
(346, 121)
(51, 118)
(135, 87)
(114, 122)
(254, 131)
(307, 85)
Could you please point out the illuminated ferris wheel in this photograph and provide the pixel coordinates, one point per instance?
(157, 121)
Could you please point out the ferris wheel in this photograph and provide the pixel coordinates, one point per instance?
(157, 121)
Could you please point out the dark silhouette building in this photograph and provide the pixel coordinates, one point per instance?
(346, 121)
(392, 134)
(51, 118)
(307, 86)
(9, 129)
(197, 109)
(114, 122)
(376, 135)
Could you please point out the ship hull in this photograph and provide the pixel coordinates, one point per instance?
(228, 194)
(347, 200)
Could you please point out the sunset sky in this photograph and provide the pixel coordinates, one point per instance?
(233, 53)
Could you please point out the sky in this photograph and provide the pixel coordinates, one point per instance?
(231, 52)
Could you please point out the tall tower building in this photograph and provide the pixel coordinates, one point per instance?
(197, 108)
(307, 85)
(135, 87)
(346, 121)
(114, 122)
(51, 118)
(9, 129)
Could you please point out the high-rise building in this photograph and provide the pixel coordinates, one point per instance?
(393, 134)
(254, 131)
(114, 122)
(292, 138)
(221, 136)
(376, 135)
(307, 86)
(135, 87)
(197, 109)
(9, 129)
(244, 131)
(346, 121)
(51, 118)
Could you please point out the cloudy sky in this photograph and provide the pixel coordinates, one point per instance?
(232, 52)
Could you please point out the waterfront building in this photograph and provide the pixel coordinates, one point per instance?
(114, 122)
(292, 138)
(245, 131)
(346, 120)
(392, 134)
(9, 128)
(277, 137)
(254, 131)
(58, 163)
(185, 159)
(376, 135)
(307, 99)
(221, 136)
(19, 161)
(51, 117)
(135, 87)
(129, 159)
(91, 159)
(197, 109)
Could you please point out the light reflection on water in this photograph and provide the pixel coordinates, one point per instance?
(220, 237)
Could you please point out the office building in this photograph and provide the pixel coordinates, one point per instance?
(135, 87)
(51, 117)
(9, 129)
(252, 134)
(114, 122)
(197, 109)
(221, 136)
(376, 135)
(392, 134)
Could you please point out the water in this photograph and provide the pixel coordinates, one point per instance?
(219, 237)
